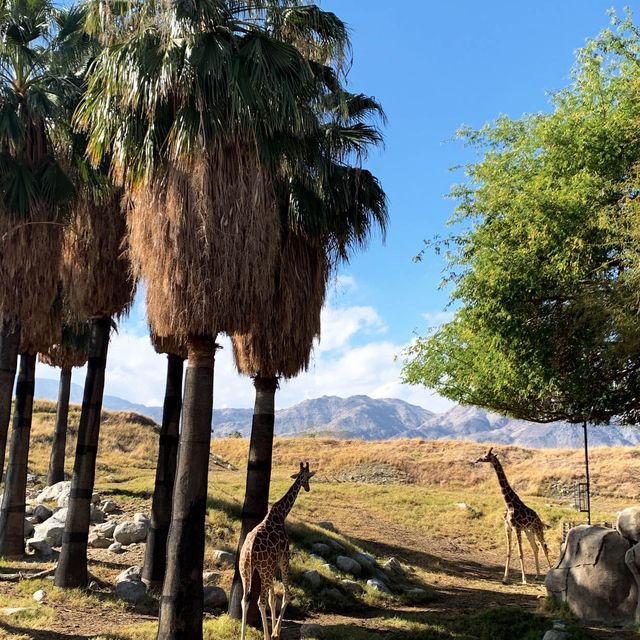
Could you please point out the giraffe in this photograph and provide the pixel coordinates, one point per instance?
(266, 548)
(518, 517)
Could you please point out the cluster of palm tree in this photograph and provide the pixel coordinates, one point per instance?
(210, 149)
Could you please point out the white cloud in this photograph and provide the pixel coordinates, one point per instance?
(353, 358)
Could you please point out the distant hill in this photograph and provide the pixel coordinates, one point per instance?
(383, 419)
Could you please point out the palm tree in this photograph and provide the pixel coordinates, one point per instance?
(71, 351)
(98, 285)
(34, 67)
(327, 209)
(203, 222)
(155, 556)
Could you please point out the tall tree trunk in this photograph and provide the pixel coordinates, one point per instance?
(256, 496)
(72, 564)
(9, 340)
(15, 488)
(155, 557)
(58, 448)
(181, 606)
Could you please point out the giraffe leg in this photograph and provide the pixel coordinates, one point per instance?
(272, 606)
(262, 605)
(284, 568)
(508, 532)
(531, 536)
(246, 599)
(543, 544)
(519, 541)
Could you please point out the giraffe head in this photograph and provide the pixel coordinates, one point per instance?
(487, 457)
(304, 475)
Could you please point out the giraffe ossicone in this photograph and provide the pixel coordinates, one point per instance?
(518, 517)
(265, 549)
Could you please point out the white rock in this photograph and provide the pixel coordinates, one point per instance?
(215, 597)
(98, 541)
(109, 506)
(378, 585)
(116, 547)
(105, 529)
(224, 558)
(130, 532)
(130, 591)
(52, 493)
(628, 524)
(63, 498)
(42, 513)
(39, 547)
(51, 530)
(141, 518)
(348, 565)
(28, 510)
(39, 595)
(60, 514)
(132, 573)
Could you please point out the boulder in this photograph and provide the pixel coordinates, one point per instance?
(378, 585)
(593, 578)
(28, 510)
(393, 565)
(335, 545)
(211, 577)
(352, 587)
(98, 541)
(39, 547)
(105, 529)
(313, 578)
(365, 560)
(96, 515)
(52, 493)
(224, 558)
(63, 497)
(628, 524)
(29, 528)
(51, 530)
(42, 513)
(109, 506)
(348, 565)
(60, 514)
(215, 597)
(130, 532)
(321, 549)
(328, 526)
(132, 573)
(116, 547)
(141, 518)
(130, 591)
(96, 498)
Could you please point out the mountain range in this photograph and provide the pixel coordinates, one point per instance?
(382, 419)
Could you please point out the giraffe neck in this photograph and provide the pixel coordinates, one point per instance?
(280, 510)
(509, 495)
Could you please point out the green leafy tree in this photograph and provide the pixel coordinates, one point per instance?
(543, 276)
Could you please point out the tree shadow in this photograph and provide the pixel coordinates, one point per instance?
(38, 634)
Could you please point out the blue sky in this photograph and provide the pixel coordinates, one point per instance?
(434, 66)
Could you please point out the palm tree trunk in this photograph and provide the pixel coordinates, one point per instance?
(181, 606)
(72, 564)
(58, 448)
(15, 488)
(155, 558)
(256, 496)
(9, 339)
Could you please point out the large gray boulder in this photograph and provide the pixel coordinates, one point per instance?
(130, 591)
(348, 565)
(52, 493)
(50, 530)
(130, 532)
(628, 524)
(593, 578)
(215, 597)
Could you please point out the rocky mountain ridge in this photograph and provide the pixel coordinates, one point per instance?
(383, 419)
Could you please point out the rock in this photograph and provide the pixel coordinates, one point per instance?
(140, 518)
(96, 515)
(130, 532)
(98, 541)
(628, 524)
(29, 528)
(51, 530)
(109, 506)
(215, 597)
(116, 547)
(28, 510)
(592, 577)
(463, 506)
(32, 477)
(63, 497)
(105, 529)
(42, 513)
(393, 565)
(211, 577)
(310, 630)
(348, 565)
(335, 545)
(321, 549)
(94, 586)
(352, 587)
(60, 514)
(33, 520)
(132, 573)
(11, 611)
(130, 591)
(39, 595)
(313, 578)
(95, 498)
(378, 585)
(416, 591)
(39, 547)
(554, 634)
(330, 567)
(328, 526)
(365, 560)
(224, 558)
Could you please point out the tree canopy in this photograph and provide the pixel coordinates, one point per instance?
(545, 271)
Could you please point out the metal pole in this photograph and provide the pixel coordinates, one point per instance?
(586, 464)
